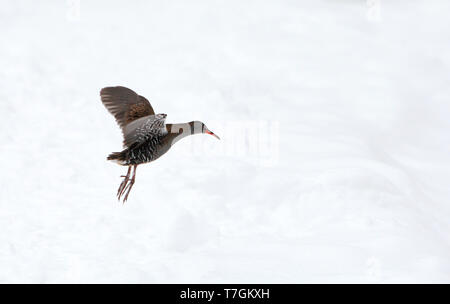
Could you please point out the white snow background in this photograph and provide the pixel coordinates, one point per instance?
(346, 101)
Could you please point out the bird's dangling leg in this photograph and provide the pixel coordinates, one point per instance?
(124, 182)
(130, 184)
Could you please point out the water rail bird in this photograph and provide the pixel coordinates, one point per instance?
(146, 135)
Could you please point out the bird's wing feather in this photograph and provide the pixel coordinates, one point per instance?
(125, 105)
(143, 129)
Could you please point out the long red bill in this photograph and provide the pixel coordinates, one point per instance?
(211, 133)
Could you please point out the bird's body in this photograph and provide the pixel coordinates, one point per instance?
(140, 154)
(154, 143)
(146, 135)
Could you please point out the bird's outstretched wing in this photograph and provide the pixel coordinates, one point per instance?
(143, 129)
(125, 105)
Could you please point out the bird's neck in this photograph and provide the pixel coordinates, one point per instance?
(181, 130)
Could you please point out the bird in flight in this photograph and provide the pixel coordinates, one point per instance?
(146, 135)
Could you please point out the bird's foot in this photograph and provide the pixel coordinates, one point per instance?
(125, 189)
(129, 186)
(122, 186)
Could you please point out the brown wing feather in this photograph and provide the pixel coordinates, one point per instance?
(125, 105)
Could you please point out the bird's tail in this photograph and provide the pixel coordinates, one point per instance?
(118, 157)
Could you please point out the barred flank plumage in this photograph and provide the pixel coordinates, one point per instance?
(140, 153)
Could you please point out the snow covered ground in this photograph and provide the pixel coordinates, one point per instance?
(334, 163)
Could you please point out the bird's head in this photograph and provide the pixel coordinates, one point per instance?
(200, 127)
